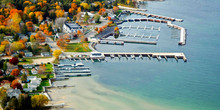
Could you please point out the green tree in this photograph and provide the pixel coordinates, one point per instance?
(4, 101)
(5, 65)
(13, 102)
(74, 18)
(24, 30)
(86, 17)
(97, 18)
(24, 78)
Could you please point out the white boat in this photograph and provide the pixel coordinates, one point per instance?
(79, 64)
(132, 57)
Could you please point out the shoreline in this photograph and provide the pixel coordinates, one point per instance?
(95, 96)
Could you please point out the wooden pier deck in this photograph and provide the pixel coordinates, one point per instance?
(139, 27)
(149, 55)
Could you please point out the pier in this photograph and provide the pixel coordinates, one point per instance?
(156, 16)
(130, 41)
(182, 32)
(149, 55)
(139, 27)
(143, 19)
(141, 36)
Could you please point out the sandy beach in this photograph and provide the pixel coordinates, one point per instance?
(90, 95)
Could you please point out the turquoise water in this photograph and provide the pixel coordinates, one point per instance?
(194, 85)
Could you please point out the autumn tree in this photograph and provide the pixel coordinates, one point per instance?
(41, 69)
(15, 46)
(16, 84)
(14, 61)
(85, 6)
(57, 53)
(39, 101)
(15, 72)
(97, 18)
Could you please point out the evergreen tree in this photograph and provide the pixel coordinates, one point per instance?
(24, 29)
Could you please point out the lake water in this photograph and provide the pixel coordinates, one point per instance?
(194, 85)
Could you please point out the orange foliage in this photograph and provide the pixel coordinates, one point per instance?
(109, 18)
(79, 32)
(116, 29)
(100, 29)
(5, 42)
(115, 8)
(29, 25)
(102, 11)
(32, 8)
(15, 72)
(39, 37)
(109, 23)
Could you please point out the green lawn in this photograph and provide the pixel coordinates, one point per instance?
(43, 83)
(78, 47)
(49, 68)
(29, 60)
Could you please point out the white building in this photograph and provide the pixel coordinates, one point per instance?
(71, 27)
(35, 82)
(13, 92)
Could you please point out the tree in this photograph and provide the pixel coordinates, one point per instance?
(24, 77)
(57, 53)
(39, 101)
(5, 65)
(2, 93)
(14, 61)
(74, 18)
(97, 18)
(86, 17)
(13, 102)
(17, 85)
(15, 72)
(85, 6)
(24, 29)
(15, 46)
(41, 69)
(116, 29)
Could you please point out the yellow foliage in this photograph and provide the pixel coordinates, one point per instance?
(78, 10)
(59, 13)
(85, 5)
(2, 48)
(16, 18)
(15, 46)
(58, 7)
(31, 14)
(39, 101)
(32, 8)
(57, 53)
(5, 42)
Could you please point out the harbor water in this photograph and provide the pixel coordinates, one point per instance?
(193, 85)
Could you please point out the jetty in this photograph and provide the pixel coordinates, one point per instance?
(182, 32)
(155, 16)
(149, 55)
(128, 8)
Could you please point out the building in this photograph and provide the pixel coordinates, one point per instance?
(34, 71)
(45, 54)
(28, 54)
(34, 83)
(13, 92)
(5, 84)
(71, 27)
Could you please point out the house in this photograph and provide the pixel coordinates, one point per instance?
(28, 54)
(28, 66)
(23, 71)
(71, 27)
(13, 92)
(64, 35)
(45, 54)
(34, 71)
(34, 83)
(5, 84)
(22, 36)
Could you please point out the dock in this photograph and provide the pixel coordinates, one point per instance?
(144, 20)
(132, 41)
(149, 55)
(155, 16)
(182, 32)
(141, 36)
(139, 27)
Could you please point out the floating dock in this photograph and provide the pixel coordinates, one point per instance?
(139, 27)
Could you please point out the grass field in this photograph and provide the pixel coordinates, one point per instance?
(29, 60)
(78, 47)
